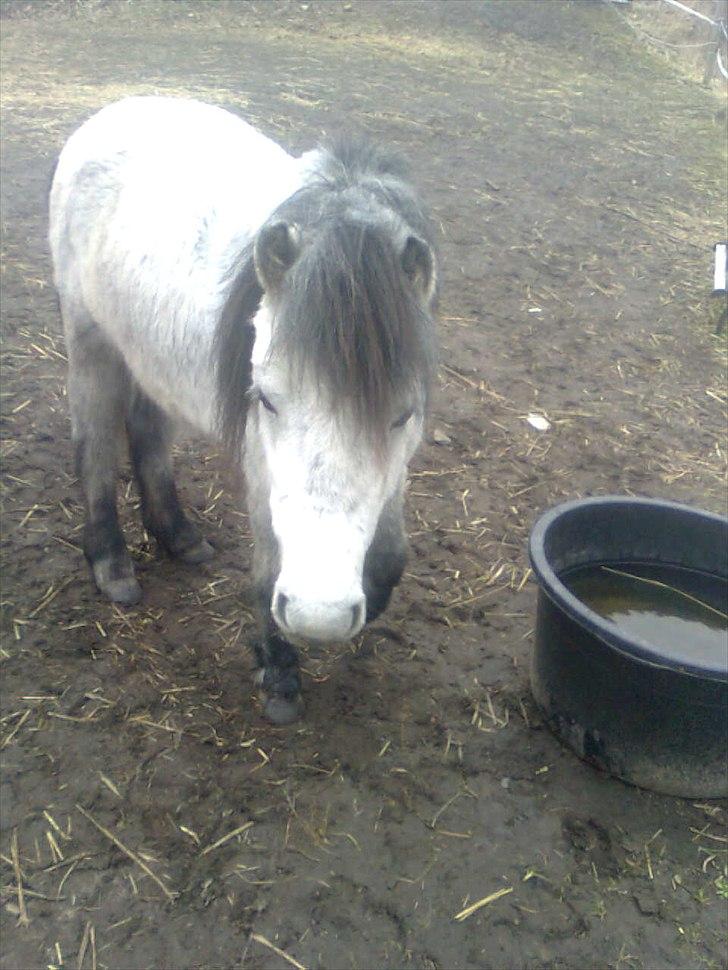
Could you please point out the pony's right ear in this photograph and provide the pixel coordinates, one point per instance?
(418, 263)
(276, 249)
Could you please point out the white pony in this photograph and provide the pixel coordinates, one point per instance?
(205, 276)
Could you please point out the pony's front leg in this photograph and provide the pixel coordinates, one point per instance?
(278, 673)
(98, 389)
(386, 557)
(278, 667)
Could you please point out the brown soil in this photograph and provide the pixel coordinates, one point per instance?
(577, 186)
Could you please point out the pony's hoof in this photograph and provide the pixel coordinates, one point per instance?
(125, 591)
(201, 552)
(282, 710)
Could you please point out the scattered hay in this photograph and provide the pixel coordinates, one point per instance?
(485, 901)
(277, 950)
(171, 896)
(226, 838)
(23, 919)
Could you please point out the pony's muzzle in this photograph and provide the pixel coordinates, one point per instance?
(319, 621)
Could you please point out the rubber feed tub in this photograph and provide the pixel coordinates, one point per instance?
(618, 701)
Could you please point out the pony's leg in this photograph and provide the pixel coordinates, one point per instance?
(150, 440)
(278, 672)
(386, 557)
(278, 668)
(98, 389)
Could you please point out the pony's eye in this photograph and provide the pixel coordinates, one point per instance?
(266, 403)
(402, 419)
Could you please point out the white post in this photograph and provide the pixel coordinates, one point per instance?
(721, 263)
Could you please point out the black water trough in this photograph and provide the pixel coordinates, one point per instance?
(620, 702)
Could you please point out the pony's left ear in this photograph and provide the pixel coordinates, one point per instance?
(418, 263)
(276, 249)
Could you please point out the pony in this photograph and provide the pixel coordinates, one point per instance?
(281, 305)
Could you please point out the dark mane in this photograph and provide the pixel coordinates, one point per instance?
(350, 157)
(233, 347)
(353, 324)
(347, 315)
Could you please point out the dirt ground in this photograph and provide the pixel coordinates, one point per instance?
(151, 816)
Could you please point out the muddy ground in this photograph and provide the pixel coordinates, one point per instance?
(154, 819)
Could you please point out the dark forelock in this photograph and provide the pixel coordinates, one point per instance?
(346, 315)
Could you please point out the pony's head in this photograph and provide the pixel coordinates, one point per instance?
(341, 364)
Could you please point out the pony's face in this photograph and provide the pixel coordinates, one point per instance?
(327, 484)
(340, 368)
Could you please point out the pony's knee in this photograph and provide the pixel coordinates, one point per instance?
(98, 451)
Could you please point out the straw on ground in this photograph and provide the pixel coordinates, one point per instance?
(485, 901)
(277, 950)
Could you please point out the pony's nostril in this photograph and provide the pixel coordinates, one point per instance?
(279, 607)
(317, 621)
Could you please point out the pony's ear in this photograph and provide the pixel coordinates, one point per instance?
(276, 249)
(418, 263)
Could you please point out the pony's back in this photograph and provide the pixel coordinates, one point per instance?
(151, 202)
(158, 163)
